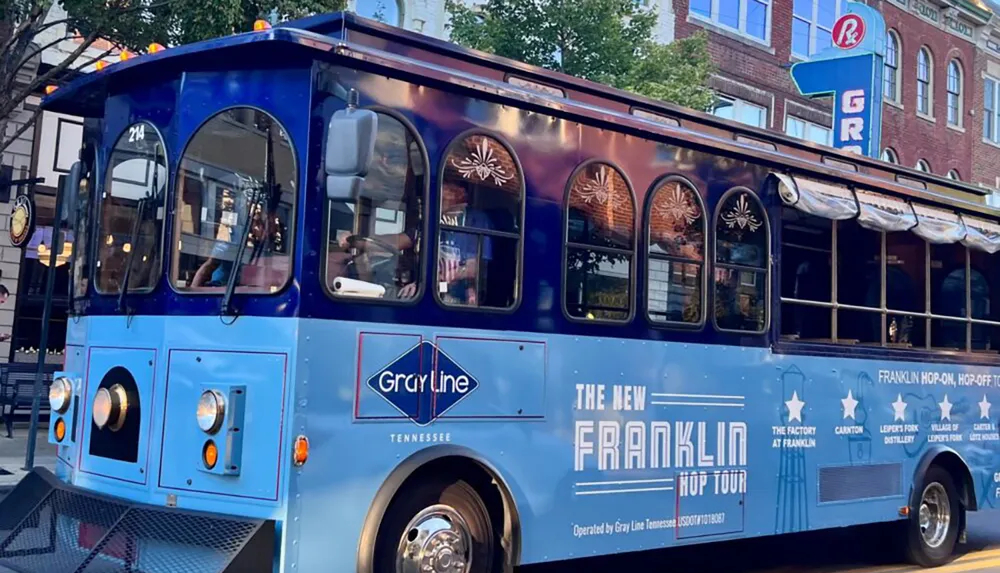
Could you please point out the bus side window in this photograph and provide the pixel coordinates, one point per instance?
(676, 254)
(479, 237)
(373, 247)
(600, 243)
(742, 251)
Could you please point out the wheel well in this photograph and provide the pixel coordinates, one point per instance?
(956, 468)
(494, 493)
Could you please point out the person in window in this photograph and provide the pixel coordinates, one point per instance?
(459, 256)
(401, 244)
(215, 271)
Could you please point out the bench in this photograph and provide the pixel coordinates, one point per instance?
(17, 387)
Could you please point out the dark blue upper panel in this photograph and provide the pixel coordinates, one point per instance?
(86, 96)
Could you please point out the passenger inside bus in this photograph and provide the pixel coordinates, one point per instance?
(215, 271)
(374, 240)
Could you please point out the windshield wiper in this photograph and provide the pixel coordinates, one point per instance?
(134, 236)
(259, 193)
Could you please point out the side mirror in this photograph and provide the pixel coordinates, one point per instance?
(71, 192)
(350, 146)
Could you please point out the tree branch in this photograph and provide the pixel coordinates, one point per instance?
(28, 23)
(94, 60)
(39, 81)
(20, 131)
(8, 82)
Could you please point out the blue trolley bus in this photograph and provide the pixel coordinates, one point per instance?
(350, 299)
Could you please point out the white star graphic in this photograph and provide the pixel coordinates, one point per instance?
(984, 408)
(945, 408)
(795, 407)
(898, 409)
(850, 404)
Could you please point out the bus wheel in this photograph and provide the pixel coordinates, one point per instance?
(932, 530)
(437, 526)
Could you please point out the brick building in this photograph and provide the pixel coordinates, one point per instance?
(942, 65)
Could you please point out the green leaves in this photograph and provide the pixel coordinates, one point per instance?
(608, 41)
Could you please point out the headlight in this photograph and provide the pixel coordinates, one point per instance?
(111, 407)
(211, 411)
(60, 394)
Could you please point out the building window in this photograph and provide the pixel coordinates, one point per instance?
(922, 165)
(953, 175)
(739, 110)
(676, 253)
(807, 130)
(748, 17)
(892, 69)
(742, 251)
(889, 155)
(600, 241)
(925, 78)
(954, 93)
(374, 239)
(991, 109)
(812, 25)
(479, 241)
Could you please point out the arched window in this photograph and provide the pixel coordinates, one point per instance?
(131, 213)
(892, 69)
(742, 251)
(600, 242)
(479, 232)
(925, 82)
(676, 250)
(237, 182)
(377, 238)
(922, 165)
(954, 93)
(889, 155)
(953, 174)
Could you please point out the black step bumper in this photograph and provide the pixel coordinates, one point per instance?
(47, 526)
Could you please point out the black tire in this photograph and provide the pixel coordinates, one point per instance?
(411, 499)
(918, 551)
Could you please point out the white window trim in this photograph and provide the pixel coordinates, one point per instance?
(930, 83)
(923, 165)
(807, 124)
(742, 30)
(813, 24)
(738, 105)
(897, 71)
(960, 111)
(993, 138)
(893, 156)
(953, 175)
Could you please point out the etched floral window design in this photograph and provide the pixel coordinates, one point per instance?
(600, 241)
(676, 254)
(742, 256)
(479, 240)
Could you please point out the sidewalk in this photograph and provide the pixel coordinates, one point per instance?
(12, 453)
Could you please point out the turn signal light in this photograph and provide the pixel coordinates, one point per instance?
(300, 454)
(60, 429)
(261, 25)
(210, 454)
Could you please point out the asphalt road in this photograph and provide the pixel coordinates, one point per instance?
(857, 550)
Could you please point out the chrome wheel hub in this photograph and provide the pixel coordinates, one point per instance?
(934, 515)
(437, 540)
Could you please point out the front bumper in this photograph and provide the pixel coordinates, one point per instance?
(47, 526)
